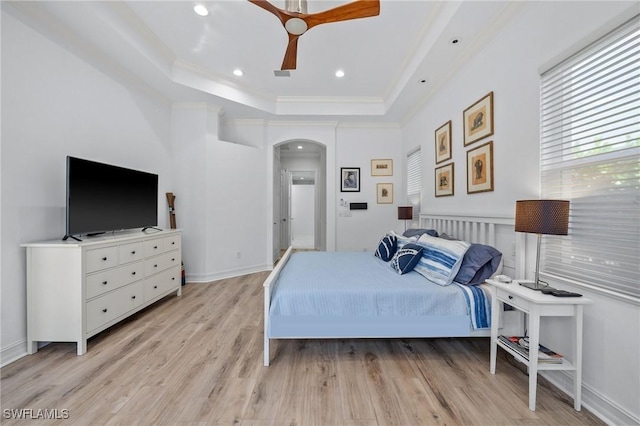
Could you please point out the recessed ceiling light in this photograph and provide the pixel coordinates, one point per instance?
(238, 72)
(299, 146)
(339, 73)
(201, 10)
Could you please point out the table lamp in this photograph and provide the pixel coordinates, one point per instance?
(405, 213)
(549, 217)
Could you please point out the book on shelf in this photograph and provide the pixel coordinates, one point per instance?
(520, 345)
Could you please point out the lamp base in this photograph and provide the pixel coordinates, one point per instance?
(533, 285)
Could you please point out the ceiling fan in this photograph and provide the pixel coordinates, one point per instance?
(296, 21)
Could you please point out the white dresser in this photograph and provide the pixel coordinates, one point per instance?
(76, 289)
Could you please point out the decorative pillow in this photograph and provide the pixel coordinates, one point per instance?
(413, 232)
(387, 247)
(479, 263)
(401, 240)
(441, 259)
(406, 258)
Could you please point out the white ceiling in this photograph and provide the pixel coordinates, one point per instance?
(186, 57)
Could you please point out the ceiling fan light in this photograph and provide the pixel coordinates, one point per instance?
(296, 26)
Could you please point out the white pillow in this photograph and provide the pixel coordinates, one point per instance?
(441, 259)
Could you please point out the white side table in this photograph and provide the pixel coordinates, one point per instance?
(537, 305)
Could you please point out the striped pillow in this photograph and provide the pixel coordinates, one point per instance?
(441, 259)
(387, 247)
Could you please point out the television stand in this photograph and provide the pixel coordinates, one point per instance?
(66, 237)
(151, 227)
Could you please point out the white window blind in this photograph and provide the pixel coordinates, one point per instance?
(414, 180)
(590, 155)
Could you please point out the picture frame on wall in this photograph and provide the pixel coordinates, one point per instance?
(445, 183)
(480, 168)
(349, 179)
(384, 193)
(382, 167)
(443, 142)
(478, 120)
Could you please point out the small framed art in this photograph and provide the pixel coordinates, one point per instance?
(478, 120)
(443, 143)
(444, 181)
(349, 179)
(382, 167)
(480, 168)
(385, 193)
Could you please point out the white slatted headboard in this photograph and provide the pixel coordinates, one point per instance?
(493, 231)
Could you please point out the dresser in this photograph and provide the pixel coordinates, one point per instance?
(76, 289)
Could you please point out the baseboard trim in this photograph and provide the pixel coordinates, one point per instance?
(230, 273)
(601, 406)
(13, 352)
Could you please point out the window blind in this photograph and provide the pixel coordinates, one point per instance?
(590, 155)
(414, 180)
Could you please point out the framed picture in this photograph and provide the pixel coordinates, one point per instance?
(480, 168)
(443, 143)
(385, 193)
(478, 120)
(349, 179)
(381, 167)
(444, 181)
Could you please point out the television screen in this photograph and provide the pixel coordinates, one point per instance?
(103, 197)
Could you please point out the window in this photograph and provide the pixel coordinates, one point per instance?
(414, 180)
(590, 155)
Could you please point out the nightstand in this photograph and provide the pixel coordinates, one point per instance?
(536, 305)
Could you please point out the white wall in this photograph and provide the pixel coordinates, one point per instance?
(54, 105)
(541, 35)
(359, 230)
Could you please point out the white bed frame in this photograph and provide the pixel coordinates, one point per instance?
(495, 231)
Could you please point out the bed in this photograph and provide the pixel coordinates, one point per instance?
(361, 295)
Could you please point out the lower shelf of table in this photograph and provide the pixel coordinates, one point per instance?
(564, 365)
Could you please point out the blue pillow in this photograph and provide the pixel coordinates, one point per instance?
(387, 247)
(479, 263)
(413, 232)
(406, 258)
(441, 259)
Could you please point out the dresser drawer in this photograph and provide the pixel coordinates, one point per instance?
(161, 262)
(513, 300)
(160, 283)
(172, 243)
(104, 309)
(102, 258)
(130, 252)
(102, 282)
(153, 247)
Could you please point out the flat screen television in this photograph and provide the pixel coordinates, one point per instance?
(104, 198)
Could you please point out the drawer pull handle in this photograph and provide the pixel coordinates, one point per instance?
(104, 283)
(173, 278)
(155, 247)
(104, 310)
(133, 252)
(155, 286)
(104, 258)
(155, 266)
(133, 273)
(173, 243)
(133, 297)
(173, 259)
(510, 297)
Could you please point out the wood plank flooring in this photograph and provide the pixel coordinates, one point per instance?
(197, 359)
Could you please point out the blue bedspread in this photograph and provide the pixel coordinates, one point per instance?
(358, 283)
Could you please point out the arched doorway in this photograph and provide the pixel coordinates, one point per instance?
(298, 219)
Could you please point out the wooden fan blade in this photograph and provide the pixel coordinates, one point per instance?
(354, 10)
(282, 15)
(290, 56)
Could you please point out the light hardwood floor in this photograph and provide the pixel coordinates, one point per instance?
(197, 359)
